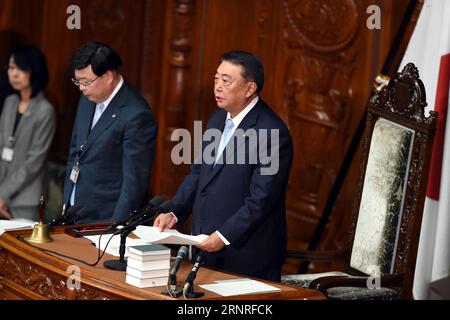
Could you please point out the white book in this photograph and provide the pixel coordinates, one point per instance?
(148, 265)
(145, 283)
(147, 273)
(149, 257)
(149, 249)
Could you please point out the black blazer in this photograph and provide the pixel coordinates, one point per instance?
(117, 156)
(246, 207)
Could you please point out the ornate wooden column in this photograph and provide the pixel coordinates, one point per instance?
(173, 110)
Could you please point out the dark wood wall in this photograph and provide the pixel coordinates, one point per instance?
(320, 61)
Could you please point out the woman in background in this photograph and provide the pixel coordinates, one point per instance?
(27, 127)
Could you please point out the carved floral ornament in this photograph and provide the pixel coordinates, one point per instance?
(46, 285)
(404, 95)
(324, 26)
(31, 278)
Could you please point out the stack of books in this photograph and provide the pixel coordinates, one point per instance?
(148, 265)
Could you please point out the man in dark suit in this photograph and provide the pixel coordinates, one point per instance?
(239, 204)
(113, 140)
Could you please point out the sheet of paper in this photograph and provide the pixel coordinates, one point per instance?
(234, 287)
(168, 236)
(16, 224)
(114, 244)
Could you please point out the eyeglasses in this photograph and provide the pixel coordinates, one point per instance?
(84, 84)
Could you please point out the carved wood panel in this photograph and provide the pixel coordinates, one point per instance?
(320, 55)
(31, 281)
(177, 75)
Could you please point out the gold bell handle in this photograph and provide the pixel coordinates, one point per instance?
(41, 232)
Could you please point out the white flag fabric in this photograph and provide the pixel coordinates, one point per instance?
(429, 50)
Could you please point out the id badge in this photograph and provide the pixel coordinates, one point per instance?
(74, 173)
(7, 154)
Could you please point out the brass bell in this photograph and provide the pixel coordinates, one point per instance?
(41, 232)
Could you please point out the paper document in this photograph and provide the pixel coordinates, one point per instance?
(114, 244)
(16, 224)
(168, 236)
(234, 287)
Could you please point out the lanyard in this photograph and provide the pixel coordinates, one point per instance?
(11, 142)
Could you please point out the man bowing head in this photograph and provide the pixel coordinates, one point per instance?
(113, 139)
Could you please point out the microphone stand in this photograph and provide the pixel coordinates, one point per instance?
(191, 294)
(189, 291)
(121, 264)
(172, 289)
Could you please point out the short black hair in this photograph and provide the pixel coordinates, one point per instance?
(253, 69)
(100, 56)
(30, 58)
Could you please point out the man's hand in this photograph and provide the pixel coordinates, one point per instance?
(4, 210)
(165, 220)
(212, 244)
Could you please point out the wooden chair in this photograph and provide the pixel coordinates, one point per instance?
(389, 198)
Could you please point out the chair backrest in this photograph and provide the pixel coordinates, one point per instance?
(390, 193)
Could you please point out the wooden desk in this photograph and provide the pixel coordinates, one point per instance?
(29, 273)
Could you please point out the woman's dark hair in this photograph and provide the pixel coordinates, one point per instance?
(100, 56)
(253, 69)
(31, 59)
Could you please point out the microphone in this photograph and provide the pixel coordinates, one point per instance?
(64, 218)
(72, 216)
(121, 264)
(187, 289)
(84, 212)
(149, 214)
(182, 253)
(153, 203)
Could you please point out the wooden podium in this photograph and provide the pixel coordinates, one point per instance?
(26, 272)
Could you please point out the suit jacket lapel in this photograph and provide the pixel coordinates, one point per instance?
(107, 118)
(218, 124)
(249, 121)
(9, 125)
(28, 113)
(85, 124)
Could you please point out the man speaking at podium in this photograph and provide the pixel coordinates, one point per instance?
(240, 205)
(113, 139)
